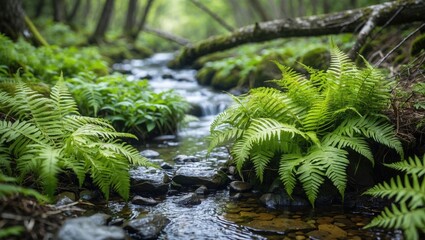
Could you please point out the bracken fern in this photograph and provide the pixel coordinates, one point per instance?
(309, 124)
(47, 136)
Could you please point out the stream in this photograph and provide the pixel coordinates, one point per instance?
(220, 215)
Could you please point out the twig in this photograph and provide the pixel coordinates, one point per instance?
(399, 44)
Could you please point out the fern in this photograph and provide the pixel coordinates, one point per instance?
(308, 125)
(408, 212)
(50, 137)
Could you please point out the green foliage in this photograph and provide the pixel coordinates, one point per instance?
(46, 137)
(131, 106)
(8, 187)
(309, 125)
(408, 192)
(419, 88)
(49, 62)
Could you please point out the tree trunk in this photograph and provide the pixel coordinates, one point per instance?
(142, 21)
(326, 6)
(167, 36)
(258, 8)
(103, 23)
(86, 11)
(283, 9)
(39, 8)
(301, 8)
(59, 10)
(74, 11)
(130, 20)
(314, 4)
(334, 23)
(12, 22)
(213, 15)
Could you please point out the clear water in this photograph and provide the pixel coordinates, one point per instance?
(219, 216)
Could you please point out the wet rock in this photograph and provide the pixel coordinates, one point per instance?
(167, 76)
(239, 186)
(324, 220)
(149, 153)
(319, 235)
(273, 200)
(166, 178)
(232, 170)
(189, 199)
(166, 166)
(87, 228)
(202, 190)
(146, 183)
(165, 138)
(88, 195)
(185, 159)
(197, 176)
(335, 231)
(148, 188)
(63, 199)
(144, 201)
(279, 225)
(148, 227)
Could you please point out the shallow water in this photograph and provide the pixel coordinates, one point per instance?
(219, 216)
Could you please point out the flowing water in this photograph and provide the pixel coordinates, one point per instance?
(219, 216)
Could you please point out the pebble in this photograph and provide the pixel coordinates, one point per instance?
(325, 220)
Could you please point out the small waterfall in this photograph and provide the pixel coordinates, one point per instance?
(204, 101)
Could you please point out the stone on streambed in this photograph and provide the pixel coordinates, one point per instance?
(195, 175)
(88, 228)
(148, 227)
(146, 183)
(239, 186)
(149, 153)
(279, 225)
(185, 159)
(138, 200)
(189, 199)
(274, 200)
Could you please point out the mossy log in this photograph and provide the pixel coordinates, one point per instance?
(350, 21)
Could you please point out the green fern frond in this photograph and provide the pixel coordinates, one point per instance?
(10, 131)
(63, 101)
(413, 166)
(340, 63)
(410, 220)
(287, 170)
(220, 137)
(129, 152)
(9, 187)
(261, 157)
(311, 176)
(357, 144)
(411, 192)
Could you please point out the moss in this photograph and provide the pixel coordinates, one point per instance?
(267, 69)
(225, 81)
(200, 62)
(318, 58)
(418, 45)
(205, 75)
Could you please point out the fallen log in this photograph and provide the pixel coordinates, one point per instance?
(350, 21)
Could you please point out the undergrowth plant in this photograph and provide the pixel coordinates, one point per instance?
(308, 125)
(131, 106)
(408, 192)
(44, 137)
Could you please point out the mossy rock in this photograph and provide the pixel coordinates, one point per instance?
(200, 62)
(205, 76)
(225, 81)
(418, 45)
(318, 58)
(268, 70)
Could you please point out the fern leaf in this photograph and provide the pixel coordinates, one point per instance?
(413, 166)
(411, 193)
(311, 177)
(261, 157)
(357, 144)
(220, 137)
(410, 220)
(9, 131)
(63, 101)
(287, 170)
